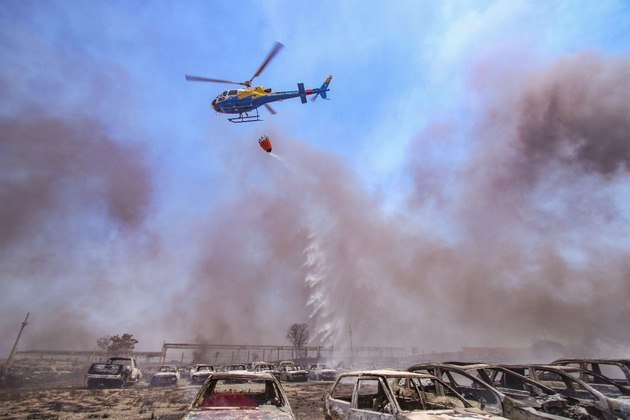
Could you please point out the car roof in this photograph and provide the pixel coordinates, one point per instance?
(473, 366)
(242, 375)
(464, 368)
(577, 360)
(387, 372)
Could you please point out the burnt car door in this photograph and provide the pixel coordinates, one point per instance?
(339, 401)
(372, 400)
(474, 390)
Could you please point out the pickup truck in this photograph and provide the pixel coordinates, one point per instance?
(117, 371)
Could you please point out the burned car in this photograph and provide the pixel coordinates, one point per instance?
(391, 394)
(600, 396)
(199, 373)
(235, 368)
(246, 395)
(292, 373)
(265, 367)
(527, 399)
(166, 375)
(184, 372)
(616, 369)
(321, 372)
(285, 363)
(105, 375)
(133, 374)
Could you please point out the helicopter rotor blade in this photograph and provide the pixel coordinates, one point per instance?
(270, 109)
(207, 79)
(275, 50)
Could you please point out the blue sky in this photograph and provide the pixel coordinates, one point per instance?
(401, 70)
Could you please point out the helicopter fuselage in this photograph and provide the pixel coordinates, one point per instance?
(239, 101)
(242, 101)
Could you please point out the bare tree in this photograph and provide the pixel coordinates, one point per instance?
(103, 342)
(117, 345)
(298, 335)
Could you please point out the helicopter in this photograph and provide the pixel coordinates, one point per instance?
(244, 101)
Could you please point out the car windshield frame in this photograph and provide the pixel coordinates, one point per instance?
(105, 369)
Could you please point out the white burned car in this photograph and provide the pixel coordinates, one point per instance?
(265, 367)
(166, 375)
(391, 394)
(118, 371)
(199, 373)
(292, 373)
(321, 372)
(247, 395)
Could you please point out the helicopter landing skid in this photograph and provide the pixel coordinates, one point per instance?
(245, 117)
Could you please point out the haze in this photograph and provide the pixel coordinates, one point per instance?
(467, 184)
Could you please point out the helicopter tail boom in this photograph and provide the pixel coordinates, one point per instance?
(324, 87)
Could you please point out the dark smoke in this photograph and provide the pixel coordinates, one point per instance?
(504, 249)
(65, 185)
(578, 112)
(49, 162)
(541, 236)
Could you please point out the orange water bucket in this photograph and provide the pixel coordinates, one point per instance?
(265, 143)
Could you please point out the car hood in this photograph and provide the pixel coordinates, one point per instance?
(456, 413)
(165, 374)
(255, 414)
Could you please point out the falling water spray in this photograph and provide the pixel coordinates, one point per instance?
(318, 279)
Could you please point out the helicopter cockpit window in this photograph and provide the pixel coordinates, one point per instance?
(232, 92)
(224, 93)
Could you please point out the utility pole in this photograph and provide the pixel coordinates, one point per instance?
(24, 324)
(351, 349)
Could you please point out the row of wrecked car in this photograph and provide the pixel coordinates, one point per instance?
(286, 371)
(430, 390)
(560, 391)
(123, 371)
(120, 372)
(567, 389)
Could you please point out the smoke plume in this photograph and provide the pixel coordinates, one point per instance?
(522, 237)
(541, 244)
(65, 186)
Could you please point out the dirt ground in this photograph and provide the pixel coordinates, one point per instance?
(74, 401)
